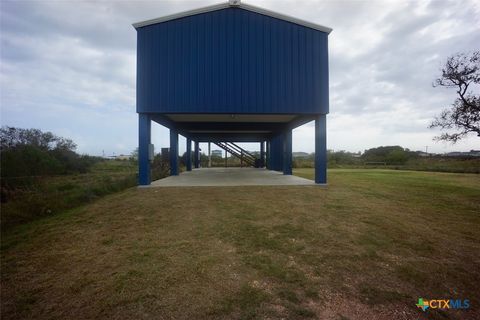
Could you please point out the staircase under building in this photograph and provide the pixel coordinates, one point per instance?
(240, 153)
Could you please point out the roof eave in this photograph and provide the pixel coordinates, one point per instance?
(242, 5)
(285, 17)
(181, 15)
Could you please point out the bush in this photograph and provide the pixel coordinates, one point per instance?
(31, 152)
(42, 196)
(392, 155)
(34, 182)
(28, 160)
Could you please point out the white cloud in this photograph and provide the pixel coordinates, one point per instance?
(69, 67)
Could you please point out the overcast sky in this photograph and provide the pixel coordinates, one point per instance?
(69, 67)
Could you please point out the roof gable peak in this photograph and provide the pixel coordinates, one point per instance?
(235, 4)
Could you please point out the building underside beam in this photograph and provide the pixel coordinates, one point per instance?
(300, 121)
(184, 128)
(229, 137)
(166, 122)
(230, 126)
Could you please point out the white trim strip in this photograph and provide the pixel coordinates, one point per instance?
(227, 5)
(181, 15)
(285, 17)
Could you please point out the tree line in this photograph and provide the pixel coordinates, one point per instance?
(388, 155)
(32, 152)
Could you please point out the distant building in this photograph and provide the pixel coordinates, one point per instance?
(123, 157)
(217, 153)
(422, 154)
(471, 153)
(300, 154)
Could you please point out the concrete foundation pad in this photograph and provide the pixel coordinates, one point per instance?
(217, 177)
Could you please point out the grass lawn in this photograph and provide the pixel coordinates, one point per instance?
(30, 198)
(366, 247)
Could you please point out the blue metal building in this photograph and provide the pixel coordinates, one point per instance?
(232, 72)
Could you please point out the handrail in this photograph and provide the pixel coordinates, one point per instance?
(245, 151)
(242, 155)
(240, 149)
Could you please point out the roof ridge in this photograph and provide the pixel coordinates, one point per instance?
(235, 4)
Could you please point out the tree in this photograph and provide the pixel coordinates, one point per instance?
(462, 72)
(31, 152)
(134, 154)
(11, 137)
(388, 154)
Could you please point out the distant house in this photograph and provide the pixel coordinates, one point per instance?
(123, 157)
(300, 154)
(475, 153)
(217, 153)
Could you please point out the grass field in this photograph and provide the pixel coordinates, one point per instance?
(366, 247)
(30, 198)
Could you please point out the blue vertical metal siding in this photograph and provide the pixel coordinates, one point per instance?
(231, 61)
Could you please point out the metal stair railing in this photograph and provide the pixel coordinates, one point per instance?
(243, 152)
(238, 152)
(235, 152)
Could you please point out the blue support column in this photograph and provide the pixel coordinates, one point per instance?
(267, 164)
(262, 154)
(144, 138)
(197, 155)
(272, 154)
(173, 152)
(321, 149)
(188, 154)
(280, 152)
(277, 152)
(287, 152)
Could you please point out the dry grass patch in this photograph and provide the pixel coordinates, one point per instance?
(366, 247)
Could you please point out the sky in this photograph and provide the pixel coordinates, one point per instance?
(69, 68)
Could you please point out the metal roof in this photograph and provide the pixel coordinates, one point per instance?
(236, 4)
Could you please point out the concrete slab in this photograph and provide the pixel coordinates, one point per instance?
(216, 177)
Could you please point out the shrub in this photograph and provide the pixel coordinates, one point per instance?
(31, 152)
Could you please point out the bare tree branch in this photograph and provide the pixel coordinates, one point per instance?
(460, 71)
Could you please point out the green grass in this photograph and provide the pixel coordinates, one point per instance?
(433, 164)
(45, 196)
(367, 246)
